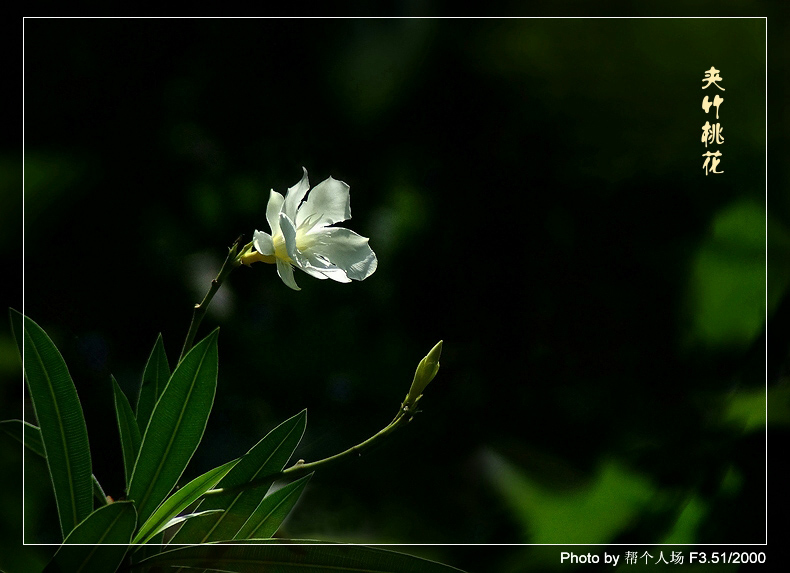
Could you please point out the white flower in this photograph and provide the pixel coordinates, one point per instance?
(302, 235)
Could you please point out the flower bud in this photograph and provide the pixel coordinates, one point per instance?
(426, 371)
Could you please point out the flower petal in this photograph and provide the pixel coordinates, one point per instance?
(295, 195)
(328, 203)
(263, 243)
(317, 267)
(289, 234)
(336, 274)
(273, 208)
(313, 273)
(344, 249)
(286, 272)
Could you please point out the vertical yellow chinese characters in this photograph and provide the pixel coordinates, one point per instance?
(712, 133)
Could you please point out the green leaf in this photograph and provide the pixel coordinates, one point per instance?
(272, 511)
(594, 512)
(726, 293)
(267, 458)
(183, 518)
(155, 377)
(26, 434)
(288, 556)
(128, 430)
(16, 329)
(62, 425)
(98, 492)
(176, 427)
(111, 524)
(180, 500)
(30, 436)
(153, 547)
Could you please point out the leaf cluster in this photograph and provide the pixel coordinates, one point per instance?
(226, 517)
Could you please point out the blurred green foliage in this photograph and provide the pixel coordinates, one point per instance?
(593, 513)
(729, 274)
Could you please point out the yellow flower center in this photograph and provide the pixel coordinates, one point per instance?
(303, 242)
(280, 251)
(254, 256)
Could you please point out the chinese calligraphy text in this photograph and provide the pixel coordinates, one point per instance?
(712, 133)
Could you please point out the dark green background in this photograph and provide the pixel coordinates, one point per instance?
(535, 195)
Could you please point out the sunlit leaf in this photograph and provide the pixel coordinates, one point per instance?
(63, 432)
(176, 427)
(155, 377)
(266, 458)
(272, 511)
(179, 501)
(188, 516)
(128, 430)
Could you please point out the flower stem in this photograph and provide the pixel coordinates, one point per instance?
(231, 262)
(300, 468)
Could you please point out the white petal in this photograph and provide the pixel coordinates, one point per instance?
(313, 273)
(344, 249)
(289, 234)
(273, 208)
(338, 275)
(328, 203)
(320, 268)
(263, 243)
(295, 195)
(286, 273)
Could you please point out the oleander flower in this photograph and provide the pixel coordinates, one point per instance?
(302, 235)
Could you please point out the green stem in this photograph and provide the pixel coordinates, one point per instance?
(300, 468)
(231, 262)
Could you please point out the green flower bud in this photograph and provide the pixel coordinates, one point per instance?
(426, 371)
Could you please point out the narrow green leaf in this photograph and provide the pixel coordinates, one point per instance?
(153, 547)
(128, 430)
(272, 511)
(62, 425)
(183, 518)
(180, 500)
(30, 436)
(26, 434)
(98, 492)
(155, 377)
(176, 427)
(88, 547)
(17, 330)
(291, 556)
(267, 458)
